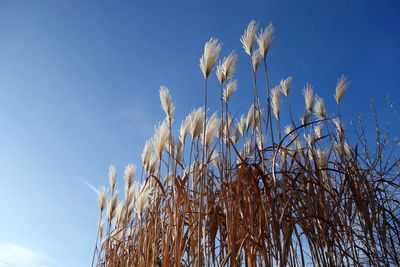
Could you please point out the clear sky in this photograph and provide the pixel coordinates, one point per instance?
(79, 87)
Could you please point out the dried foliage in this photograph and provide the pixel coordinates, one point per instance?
(249, 194)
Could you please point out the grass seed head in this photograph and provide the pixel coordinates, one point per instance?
(209, 57)
(341, 87)
(286, 85)
(264, 39)
(229, 89)
(226, 69)
(248, 37)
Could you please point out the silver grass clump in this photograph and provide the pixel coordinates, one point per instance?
(341, 87)
(241, 125)
(286, 85)
(209, 57)
(319, 108)
(264, 39)
(160, 138)
(213, 125)
(226, 68)
(276, 99)
(197, 122)
(308, 93)
(256, 58)
(166, 103)
(112, 177)
(102, 198)
(248, 37)
(229, 89)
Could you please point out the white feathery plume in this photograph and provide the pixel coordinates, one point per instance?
(185, 128)
(213, 125)
(250, 116)
(257, 119)
(247, 146)
(112, 205)
(264, 39)
(286, 85)
(347, 149)
(338, 148)
(129, 176)
(256, 58)
(235, 136)
(260, 140)
(197, 122)
(229, 89)
(160, 138)
(341, 87)
(248, 37)
(166, 103)
(319, 108)
(308, 93)
(226, 127)
(241, 125)
(146, 154)
(322, 157)
(142, 202)
(318, 130)
(226, 68)
(309, 139)
(121, 212)
(177, 153)
(276, 98)
(339, 127)
(102, 198)
(209, 57)
(288, 129)
(112, 176)
(153, 165)
(306, 117)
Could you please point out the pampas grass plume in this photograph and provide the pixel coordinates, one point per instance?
(286, 85)
(226, 69)
(209, 57)
(341, 87)
(264, 39)
(248, 37)
(229, 89)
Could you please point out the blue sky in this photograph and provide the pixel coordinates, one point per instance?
(79, 87)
